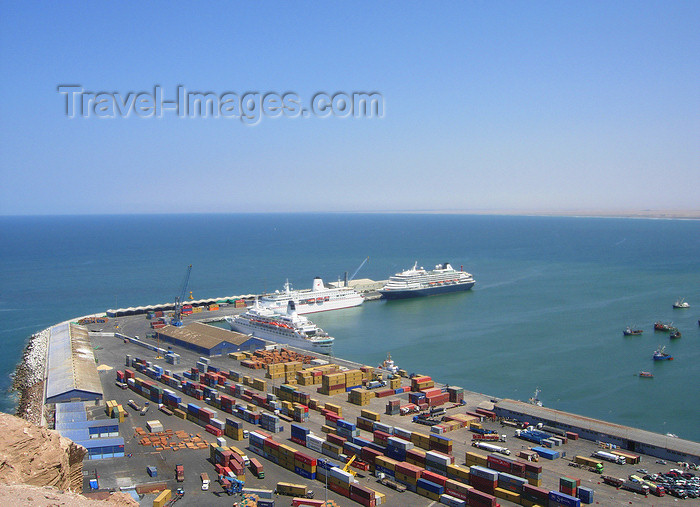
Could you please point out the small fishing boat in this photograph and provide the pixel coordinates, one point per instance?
(646, 374)
(660, 326)
(675, 333)
(632, 332)
(681, 303)
(661, 355)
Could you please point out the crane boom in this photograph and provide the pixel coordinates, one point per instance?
(358, 269)
(177, 320)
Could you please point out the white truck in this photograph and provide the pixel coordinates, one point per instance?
(608, 456)
(490, 447)
(205, 481)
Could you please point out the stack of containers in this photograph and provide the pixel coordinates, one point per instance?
(385, 465)
(402, 433)
(396, 448)
(233, 429)
(323, 467)
(331, 450)
(408, 475)
(350, 449)
(456, 394)
(483, 479)
(416, 457)
(368, 414)
(557, 499)
(353, 379)
(435, 397)
(346, 429)
(417, 398)
(418, 383)
(393, 407)
(363, 496)
(360, 396)
(429, 489)
(534, 495)
(510, 487)
(304, 465)
(339, 481)
(314, 443)
(300, 413)
(420, 440)
(332, 384)
(271, 423)
(440, 443)
(457, 489)
(585, 494)
(569, 485)
(395, 383)
(299, 434)
(438, 462)
(365, 424)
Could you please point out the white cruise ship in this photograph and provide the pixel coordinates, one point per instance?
(417, 282)
(290, 328)
(316, 299)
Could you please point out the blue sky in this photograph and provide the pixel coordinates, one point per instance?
(505, 105)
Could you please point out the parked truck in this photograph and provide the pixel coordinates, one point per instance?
(179, 473)
(608, 456)
(491, 447)
(205, 481)
(257, 468)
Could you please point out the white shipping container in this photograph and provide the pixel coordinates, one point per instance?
(341, 475)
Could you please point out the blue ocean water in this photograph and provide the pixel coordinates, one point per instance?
(551, 300)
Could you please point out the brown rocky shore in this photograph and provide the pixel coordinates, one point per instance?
(28, 379)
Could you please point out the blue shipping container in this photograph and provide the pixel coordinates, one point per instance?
(556, 498)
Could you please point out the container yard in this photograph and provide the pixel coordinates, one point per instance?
(279, 426)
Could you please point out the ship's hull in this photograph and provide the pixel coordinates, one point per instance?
(242, 326)
(317, 306)
(427, 291)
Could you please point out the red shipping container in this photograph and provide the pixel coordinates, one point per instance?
(335, 439)
(368, 454)
(416, 455)
(380, 437)
(341, 491)
(303, 458)
(433, 477)
(482, 484)
(477, 498)
(299, 441)
(367, 502)
(213, 430)
(409, 470)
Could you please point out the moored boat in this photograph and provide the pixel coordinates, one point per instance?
(661, 355)
(660, 326)
(629, 331)
(417, 282)
(675, 333)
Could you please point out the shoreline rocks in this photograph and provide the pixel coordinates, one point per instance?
(28, 378)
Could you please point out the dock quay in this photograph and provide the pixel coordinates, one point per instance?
(233, 391)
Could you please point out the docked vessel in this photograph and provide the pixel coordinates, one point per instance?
(681, 303)
(661, 355)
(389, 365)
(318, 298)
(535, 399)
(632, 332)
(290, 328)
(417, 282)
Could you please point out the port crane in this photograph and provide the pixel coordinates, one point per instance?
(177, 319)
(358, 269)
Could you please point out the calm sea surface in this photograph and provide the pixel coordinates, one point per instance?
(551, 300)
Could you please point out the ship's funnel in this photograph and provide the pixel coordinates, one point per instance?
(318, 284)
(346, 279)
(291, 308)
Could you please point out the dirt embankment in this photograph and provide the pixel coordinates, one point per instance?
(40, 464)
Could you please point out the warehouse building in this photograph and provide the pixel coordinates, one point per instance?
(71, 370)
(100, 437)
(625, 437)
(208, 340)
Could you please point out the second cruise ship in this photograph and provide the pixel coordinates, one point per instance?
(417, 282)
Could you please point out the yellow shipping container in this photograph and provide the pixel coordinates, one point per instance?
(507, 495)
(368, 414)
(163, 498)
